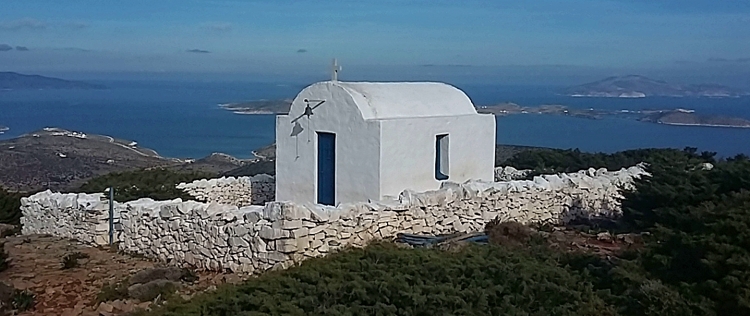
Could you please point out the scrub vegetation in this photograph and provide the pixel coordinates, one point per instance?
(10, 207)
(158, 184)
(694, 260)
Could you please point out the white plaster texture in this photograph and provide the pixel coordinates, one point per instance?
(385, 139)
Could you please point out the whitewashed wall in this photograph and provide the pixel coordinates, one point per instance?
(240, 191)
(385, 139)
(471, 151)
(357, 147)
(256, 238)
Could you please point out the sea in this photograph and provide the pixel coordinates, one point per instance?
(182, 119)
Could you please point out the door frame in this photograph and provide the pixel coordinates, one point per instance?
(325, 197)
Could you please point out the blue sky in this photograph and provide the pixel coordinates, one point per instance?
(511, 40)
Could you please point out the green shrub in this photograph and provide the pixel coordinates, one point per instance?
(70, 261)
(384, 279)
(113, 292)
(694, 261)
(3, 259)
(163, 289)
(158, 184)
(563, 161)
(700, 225)
(10, 207)
(23, 300)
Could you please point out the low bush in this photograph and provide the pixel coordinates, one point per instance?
(4, 265)
(114, 291)
(550, 161)
(10, 207)
(158, 184)
(384, 279)
(70, 261)
(509, 233)
(23, 300)
(695, 260)
(700, 225)
(163, 289)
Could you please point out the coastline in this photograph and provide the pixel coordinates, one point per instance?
(261, 112)
(507, 109)
(704, 125)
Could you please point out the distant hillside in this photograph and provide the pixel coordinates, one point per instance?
(16, 81)
(638, 87)
(59, 159)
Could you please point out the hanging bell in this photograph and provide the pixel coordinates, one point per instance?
(308, 111)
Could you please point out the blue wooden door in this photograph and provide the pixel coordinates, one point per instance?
(326, 168)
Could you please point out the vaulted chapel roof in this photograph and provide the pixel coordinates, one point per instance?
(391, 100)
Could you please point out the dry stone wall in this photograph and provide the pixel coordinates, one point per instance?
(256, 238)
(509, 174)
(240, 191)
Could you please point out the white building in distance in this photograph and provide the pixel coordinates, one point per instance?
(348, 142)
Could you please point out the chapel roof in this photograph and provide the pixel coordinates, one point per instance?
(390, 100)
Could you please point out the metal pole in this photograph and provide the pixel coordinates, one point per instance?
(111, 214)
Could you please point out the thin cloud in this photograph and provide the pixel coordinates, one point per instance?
(74, 49)
(725, 60)
(302, 50)
(217, 26)
(684, 62)
(449, 65)
(5, 47)
(22, 48)
(23, 24)
(77, 25)
(198, 51)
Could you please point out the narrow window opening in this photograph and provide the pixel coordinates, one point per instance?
(441, 157)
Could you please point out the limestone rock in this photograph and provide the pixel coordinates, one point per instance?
(253, 238)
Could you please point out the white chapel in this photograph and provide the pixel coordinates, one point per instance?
(346, 142)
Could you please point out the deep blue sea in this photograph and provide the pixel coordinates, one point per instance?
(182, 119)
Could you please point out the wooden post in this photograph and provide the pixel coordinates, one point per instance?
(111, 215)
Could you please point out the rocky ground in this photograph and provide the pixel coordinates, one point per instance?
(36, 265)
(105, 282)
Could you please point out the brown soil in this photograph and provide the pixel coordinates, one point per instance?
(564, 238)
(36, 263)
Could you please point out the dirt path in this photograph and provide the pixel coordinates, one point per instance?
(36, 263)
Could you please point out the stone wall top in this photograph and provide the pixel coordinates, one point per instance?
(238, 191)
(251, 238)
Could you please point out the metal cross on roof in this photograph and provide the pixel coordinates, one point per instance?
(335, 68)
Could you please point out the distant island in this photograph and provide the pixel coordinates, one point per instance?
(634, 86)
(669, 117)
(660, 116)
(16, 81)
(510, 108)
(689, 118)
(259, 107)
